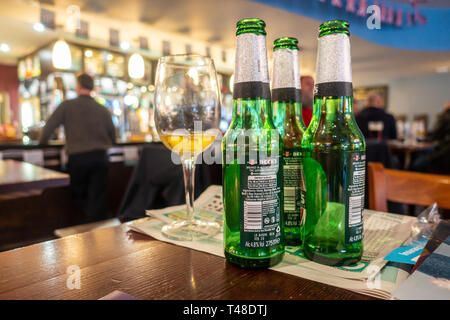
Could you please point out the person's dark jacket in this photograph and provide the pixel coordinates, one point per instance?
(439, 159)
(441, 130)
(87, 125)
(372, 114)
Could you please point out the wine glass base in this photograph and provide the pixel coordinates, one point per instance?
(189, 231)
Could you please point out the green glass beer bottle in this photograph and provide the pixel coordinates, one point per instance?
(252, 175)
(334, 157)
(286, 101)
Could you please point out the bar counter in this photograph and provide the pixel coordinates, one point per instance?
(32, 216)
(22, 176)
(6, 145)
(53, 153)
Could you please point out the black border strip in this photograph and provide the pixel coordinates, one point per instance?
(333, 89)
(286, 94)
(251, 90)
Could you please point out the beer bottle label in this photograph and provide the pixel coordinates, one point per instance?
(260, 222)
(293, 195)
(355, 198)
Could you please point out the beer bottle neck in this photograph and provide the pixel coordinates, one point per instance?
(330, 113)
(333, 92)
(286, 93)
(286, 77)
(333, 107)
(285, 116)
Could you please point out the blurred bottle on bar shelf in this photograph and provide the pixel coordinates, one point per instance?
(334, 157)
(286, 102)
(252, 147)
(375, 130)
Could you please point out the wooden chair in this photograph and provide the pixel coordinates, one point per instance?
(406, 187)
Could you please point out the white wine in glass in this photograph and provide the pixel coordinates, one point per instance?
(187, 117)
(187, 145)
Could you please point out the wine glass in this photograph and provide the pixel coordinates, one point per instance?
(187, 117)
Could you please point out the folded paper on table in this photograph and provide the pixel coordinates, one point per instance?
(431, 280)
(372, 276)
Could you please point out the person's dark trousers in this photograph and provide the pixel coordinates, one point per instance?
(89, 182)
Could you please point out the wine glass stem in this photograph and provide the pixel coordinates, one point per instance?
(189, 177)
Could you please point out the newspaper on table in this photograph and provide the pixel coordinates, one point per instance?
(372, 276)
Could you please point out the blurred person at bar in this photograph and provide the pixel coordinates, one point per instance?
(437, 159)
(89, 134)
(307, 85)
(374, 121)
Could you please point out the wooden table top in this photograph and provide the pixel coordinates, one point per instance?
(22, 176)
(119, 259)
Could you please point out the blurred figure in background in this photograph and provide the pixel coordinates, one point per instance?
(437, 160)
(307, 84)
(89, 134)
(356, 107)
(373, 118)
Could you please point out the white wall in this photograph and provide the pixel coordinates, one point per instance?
(417, 95)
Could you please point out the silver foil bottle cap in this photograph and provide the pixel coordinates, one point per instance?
(286, 72)
(251, 58)
(333, 59)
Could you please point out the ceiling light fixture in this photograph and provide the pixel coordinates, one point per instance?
(4, 47)
(124, 45)
(442, 69)
(61, 56)
(39, 27)
(136, 66)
